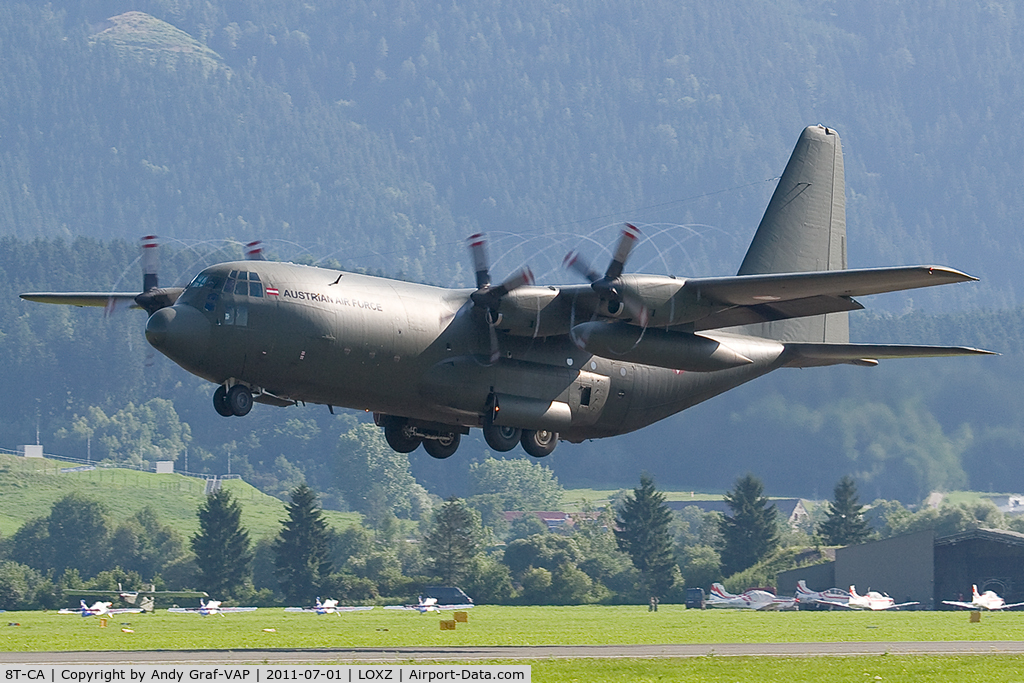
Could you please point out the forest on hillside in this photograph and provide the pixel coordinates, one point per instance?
(376, 136)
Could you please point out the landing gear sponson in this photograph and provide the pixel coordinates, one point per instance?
(441, 441)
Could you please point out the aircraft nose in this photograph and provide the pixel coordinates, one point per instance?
(179, 332)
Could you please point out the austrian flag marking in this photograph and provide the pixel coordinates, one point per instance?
(272, 291)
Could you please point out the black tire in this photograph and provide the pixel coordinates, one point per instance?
(220, 402)
(239, 400)
(444, 447)
(501, 439)
(400, 442)
(539, 443)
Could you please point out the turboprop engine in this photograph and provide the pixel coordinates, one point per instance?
(674, 350)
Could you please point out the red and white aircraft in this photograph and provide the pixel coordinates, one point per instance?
(429, 605)
(988, 600)
(206, 609)
(833, 597)
(328, 607)
(751, 599)
(874, 600)
(99, 609)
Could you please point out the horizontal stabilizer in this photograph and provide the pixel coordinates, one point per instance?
(753, 290)
(806, 355)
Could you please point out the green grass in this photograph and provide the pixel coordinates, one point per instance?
(991, 669)
(29, 487)
(493, 626)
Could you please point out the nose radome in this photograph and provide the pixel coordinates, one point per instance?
(179, 332)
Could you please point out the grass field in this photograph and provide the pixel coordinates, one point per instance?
(493, 625)
(30, 487)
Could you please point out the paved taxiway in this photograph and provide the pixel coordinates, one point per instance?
(467, 654)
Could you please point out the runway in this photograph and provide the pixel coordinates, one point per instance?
(409, 655)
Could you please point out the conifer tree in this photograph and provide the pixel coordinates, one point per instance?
(302, 549)
(751, 533)
(844, 523)
(221, 546)
(643, 534)
(453, 541)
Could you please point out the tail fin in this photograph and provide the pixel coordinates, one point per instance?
(804, 229)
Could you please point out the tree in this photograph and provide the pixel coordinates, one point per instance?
(374, 478)
(751, 533)
(302, 549)
(454, 540)
(221, 546)
(521, 484)
(844, 523)
(643, 534)
(79, 534)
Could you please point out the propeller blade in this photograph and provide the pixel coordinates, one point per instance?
(524, 276)
(477, 247)
(150, 262)
(254, 251)
(635, 306)
(630, 234)
(495, 352)
(574, 261)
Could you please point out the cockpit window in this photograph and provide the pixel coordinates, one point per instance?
(204, 280)
(243, 283)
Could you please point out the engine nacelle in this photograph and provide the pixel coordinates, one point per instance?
(675, 350)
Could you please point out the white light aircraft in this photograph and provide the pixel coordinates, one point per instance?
(99, 609)
(988, 600)
(429, 605)
(833, 597)
(873, 600)
(206, 609)
(751, 599)
(328, 607)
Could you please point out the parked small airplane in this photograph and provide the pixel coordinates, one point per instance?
(754, 598)
(99, 609)
(988, 600)
(833, 597)
(211, 607)
(145, 599)
(429, 605)
(328, 607)
(530, 364)
(873, 600)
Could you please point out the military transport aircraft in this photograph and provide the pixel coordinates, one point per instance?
(531, 364)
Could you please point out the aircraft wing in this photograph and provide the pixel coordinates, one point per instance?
(749, 299)
(810, 354)
(237, 609)
(964, 605)
(98, 299)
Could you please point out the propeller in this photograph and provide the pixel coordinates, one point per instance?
(610, 285)
(487, 299)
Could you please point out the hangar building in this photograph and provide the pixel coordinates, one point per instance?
(920, 567)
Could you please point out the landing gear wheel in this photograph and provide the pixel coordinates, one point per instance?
(501, 439)
(220, 402)
(444, 447)
(398, 439)
(239, 400)
(539, 443)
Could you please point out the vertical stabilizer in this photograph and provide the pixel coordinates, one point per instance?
(804, 229)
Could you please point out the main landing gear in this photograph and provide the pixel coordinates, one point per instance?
(405, 437)
(236, 401)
